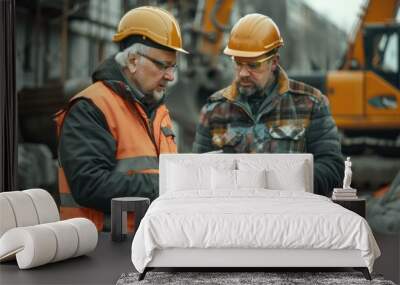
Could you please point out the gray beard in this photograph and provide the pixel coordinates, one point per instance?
(157, 96)
(249, 91)
(154, 97)
(256, 89)
(149, 98)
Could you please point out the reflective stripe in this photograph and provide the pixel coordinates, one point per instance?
(145, 171)
(167, 132)
(68, 201)
(137, 163)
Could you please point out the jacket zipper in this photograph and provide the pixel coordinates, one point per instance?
(243, 108)
(151, 133)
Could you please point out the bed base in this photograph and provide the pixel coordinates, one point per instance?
(363, 270)
(245, 259)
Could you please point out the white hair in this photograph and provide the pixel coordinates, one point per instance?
(122, 57)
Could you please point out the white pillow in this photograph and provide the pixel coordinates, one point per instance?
(281, 174)
(294, 180)
(251, 179)
(226, 179)
(223, 179)
(182, 177)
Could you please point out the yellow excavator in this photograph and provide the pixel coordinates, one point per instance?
(364, 92)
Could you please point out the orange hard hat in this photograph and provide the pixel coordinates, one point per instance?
(151, 22)
(252, 36)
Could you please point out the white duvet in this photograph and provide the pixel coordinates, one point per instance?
(252, 218)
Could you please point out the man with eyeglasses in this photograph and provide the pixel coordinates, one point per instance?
(112, 133)
(263, 111)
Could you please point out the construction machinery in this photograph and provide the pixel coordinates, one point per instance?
(364, 92)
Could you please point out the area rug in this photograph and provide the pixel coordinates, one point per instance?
(230, 278)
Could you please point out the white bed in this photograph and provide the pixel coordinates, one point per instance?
(241, 210)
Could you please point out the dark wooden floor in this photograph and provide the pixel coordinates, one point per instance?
(389, 262)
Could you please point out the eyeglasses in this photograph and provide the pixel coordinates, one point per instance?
(252, 66)
(161, 65)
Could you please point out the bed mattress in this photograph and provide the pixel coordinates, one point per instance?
(250, 219)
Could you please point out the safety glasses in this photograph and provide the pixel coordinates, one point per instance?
(252, 66)
(161, 65)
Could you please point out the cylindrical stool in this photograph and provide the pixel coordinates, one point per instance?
(119, 209)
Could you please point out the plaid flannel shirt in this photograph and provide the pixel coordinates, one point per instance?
(292, 118)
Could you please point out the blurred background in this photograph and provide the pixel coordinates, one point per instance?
(59, 44)
(349, 49)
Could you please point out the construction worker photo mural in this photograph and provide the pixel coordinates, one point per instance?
(263, 111)
(112, 133)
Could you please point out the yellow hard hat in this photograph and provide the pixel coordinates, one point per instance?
(252, 36)
(151, 22)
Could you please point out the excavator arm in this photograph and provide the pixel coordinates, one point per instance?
(374, 11)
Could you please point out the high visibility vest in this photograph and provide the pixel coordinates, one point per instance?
(133, 155)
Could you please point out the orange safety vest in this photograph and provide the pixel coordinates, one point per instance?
(133, 155)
